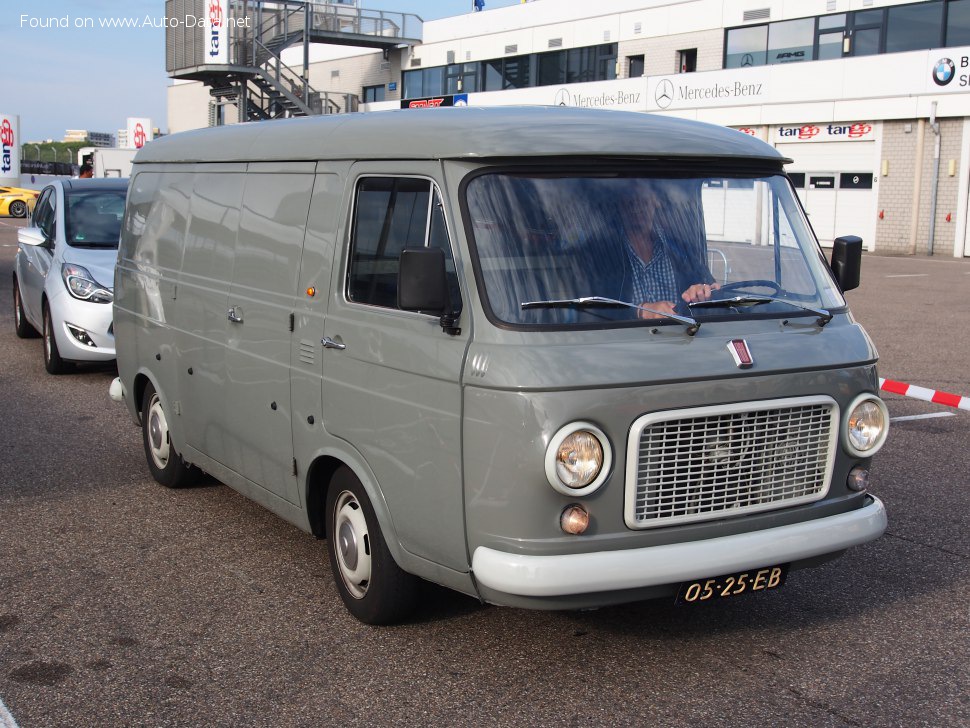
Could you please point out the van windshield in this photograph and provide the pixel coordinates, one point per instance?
(657, 242)
(93, 218)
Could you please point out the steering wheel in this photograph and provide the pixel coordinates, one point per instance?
(738, 285)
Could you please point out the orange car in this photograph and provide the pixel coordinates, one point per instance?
(17, 201)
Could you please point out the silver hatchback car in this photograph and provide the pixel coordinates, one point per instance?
(64, 270)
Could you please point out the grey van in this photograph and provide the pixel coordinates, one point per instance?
(551, 358)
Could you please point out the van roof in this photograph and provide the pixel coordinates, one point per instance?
(461, 133)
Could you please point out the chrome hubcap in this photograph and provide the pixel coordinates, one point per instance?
(352, 544)
(158, 440)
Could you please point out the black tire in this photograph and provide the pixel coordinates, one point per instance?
(373, 587)
(52, 356)
(164, 462)
(21, 324)
(18, 208)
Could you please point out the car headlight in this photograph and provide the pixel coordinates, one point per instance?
(578, 459)
(81, 284)
(865, 426)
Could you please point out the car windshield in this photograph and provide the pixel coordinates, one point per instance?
(93, 218)
(576, 247)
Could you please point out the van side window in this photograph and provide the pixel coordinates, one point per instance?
(394, 213)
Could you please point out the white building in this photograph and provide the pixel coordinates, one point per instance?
(869, 98)
(91, 138)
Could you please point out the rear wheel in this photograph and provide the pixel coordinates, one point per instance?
(373, 587)
(52, 356)
(23, 327)
(18, 208)
(164, 462)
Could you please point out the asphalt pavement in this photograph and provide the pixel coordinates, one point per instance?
(123, 603)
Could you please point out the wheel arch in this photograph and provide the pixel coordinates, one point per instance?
(320, 476)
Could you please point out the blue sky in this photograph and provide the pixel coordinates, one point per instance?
(96, 77)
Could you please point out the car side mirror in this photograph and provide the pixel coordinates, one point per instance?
(421, 281)
(31, 236)
(847, 261)
(422, 285)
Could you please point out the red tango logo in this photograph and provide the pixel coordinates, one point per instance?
(140, 136)
(215, 20)
(808, 131)
(6, 140)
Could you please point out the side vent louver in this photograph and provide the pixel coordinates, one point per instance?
(415, 62)
(761, 14)
(555, 42)
(637, 28)
(512, 48)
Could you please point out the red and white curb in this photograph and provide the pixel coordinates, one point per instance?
(927, 395)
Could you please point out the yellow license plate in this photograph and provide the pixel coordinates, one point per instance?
(732, 585)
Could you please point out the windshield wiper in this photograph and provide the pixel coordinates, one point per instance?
(823, 316)
(602, 302)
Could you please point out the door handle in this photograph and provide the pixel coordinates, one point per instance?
(329, 343)
(235, 316)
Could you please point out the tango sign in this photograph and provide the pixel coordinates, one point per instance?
(9, 149)
(854, 132)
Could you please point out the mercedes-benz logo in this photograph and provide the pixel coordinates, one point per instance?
(747, 60)
(563, 98)
(664, 95)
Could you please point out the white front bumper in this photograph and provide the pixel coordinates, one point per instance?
(604, 571)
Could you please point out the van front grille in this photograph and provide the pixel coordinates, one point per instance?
(716, 462)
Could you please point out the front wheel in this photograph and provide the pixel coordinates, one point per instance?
(52, 355)
(164, 462)
(373, 587)
(18, 208)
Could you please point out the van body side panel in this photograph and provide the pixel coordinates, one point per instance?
(394, 395)
(201, 307)
(261, 298)
(147, 274)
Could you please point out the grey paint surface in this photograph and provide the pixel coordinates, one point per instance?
(437, 444)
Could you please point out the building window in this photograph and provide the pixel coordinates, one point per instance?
(866, 32)
(373, 93)
(830, 36)
(413, 83)
(686, 60)
(914, 27)
(791, 41)
(506, 73)
(746, 47)
(958, 23)
(636, 66)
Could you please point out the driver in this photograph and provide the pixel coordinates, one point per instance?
(664, 250)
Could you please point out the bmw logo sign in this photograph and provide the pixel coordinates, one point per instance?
(943, 72)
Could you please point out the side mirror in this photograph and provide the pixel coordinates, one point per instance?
(847, 261)
(31, 236)
(422, 284)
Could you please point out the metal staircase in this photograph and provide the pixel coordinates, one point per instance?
(256, 80)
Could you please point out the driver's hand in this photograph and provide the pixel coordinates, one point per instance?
(699, 292)
(658, 306)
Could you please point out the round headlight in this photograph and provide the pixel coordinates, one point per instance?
(578, 459)
(866, 426)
